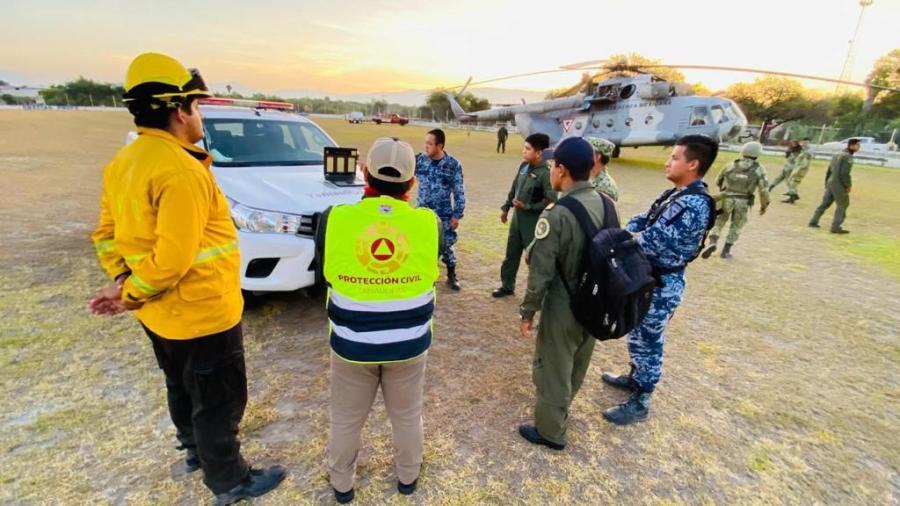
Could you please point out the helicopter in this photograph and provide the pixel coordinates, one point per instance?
(626, 104)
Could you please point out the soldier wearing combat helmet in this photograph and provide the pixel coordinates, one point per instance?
(738, 182)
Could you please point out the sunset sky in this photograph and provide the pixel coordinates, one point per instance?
(357, 46)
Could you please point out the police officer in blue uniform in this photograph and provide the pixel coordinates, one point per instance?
(441, 189)
(671, 234)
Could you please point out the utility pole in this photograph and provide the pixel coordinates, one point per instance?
(847, 71)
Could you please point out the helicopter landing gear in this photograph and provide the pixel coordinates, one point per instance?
(615, 153)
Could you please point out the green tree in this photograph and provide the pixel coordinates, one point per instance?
(771, 100)
(8, 99)
(439, 106)
(82, 91)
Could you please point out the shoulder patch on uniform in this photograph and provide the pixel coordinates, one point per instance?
(550, 206)
(542, 229)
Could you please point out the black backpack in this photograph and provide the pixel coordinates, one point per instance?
(616, 285)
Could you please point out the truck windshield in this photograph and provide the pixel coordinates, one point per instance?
(257, 142)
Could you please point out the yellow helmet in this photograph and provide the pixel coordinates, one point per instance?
(161, 80)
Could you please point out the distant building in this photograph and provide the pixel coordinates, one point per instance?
(27, 93)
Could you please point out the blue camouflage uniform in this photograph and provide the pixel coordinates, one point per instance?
(669, 244)
(441, 190)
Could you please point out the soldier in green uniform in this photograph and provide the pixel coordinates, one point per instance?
(529, 194)
(563, 348)
(795, 168)
(837, 188)
(600, 178)
(738, 182)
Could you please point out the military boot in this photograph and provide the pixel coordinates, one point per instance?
(622, 381)
(712, 246)
(635, 409)
(452, 282)
(726, 251)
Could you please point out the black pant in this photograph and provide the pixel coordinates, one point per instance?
(207, 392)
(501, 145)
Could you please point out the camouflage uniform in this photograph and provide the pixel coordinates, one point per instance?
(669, 243)
(795, 168)
(604, 182)
(837, 190)
(441, 190)
(738, 182)
(531, 186)
(563, 348)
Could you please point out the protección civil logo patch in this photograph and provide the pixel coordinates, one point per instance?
(382, 248)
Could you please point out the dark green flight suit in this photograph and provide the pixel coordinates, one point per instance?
(563, 348)
(837, 189)
(531, 186)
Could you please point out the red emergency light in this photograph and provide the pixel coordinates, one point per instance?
(255, 104)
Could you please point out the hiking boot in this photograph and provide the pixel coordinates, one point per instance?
(407, 489)
(257, 483)
(814, 225)
(343, 497)
(622, 381)
(452, 282)
(712, 246)
(790, 200)
(530, 433)
(502, 292)
(635, 409)
(726, 251)
(839, 231)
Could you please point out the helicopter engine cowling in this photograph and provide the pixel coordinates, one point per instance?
(654, 91)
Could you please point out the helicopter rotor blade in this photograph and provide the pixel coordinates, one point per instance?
(761, 71)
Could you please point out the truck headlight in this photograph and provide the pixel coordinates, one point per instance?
(247, 219)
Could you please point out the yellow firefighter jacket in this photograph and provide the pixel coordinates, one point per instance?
(164, 220)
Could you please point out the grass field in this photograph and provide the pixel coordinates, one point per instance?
(781, 382)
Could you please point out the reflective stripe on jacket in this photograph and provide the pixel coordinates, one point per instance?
(164, 220)
(381, 265)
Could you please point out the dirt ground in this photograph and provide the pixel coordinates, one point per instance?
(781, 381)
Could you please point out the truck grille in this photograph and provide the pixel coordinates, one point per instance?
(308, 224)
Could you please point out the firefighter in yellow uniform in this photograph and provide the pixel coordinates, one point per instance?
(166, 237)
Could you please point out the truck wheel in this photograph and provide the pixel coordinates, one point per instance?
(615, 153)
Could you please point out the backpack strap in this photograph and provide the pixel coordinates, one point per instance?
(610, 216)
(610, 220)
(670, 196)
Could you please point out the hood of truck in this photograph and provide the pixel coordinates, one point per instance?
(294, 190)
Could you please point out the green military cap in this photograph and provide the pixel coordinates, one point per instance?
(601, 145)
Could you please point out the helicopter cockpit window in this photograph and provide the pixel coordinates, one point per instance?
(627, 91)
(699, 116)
(718, 115)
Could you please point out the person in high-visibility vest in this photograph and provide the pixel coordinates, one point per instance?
(380, 261)
(167, 240)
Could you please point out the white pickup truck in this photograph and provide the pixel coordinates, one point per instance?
(865, 144)
(268, 161)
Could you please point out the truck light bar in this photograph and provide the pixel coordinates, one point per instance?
(255, 104)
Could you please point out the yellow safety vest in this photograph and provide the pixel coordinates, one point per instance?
(381, 265)
(164, 220)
